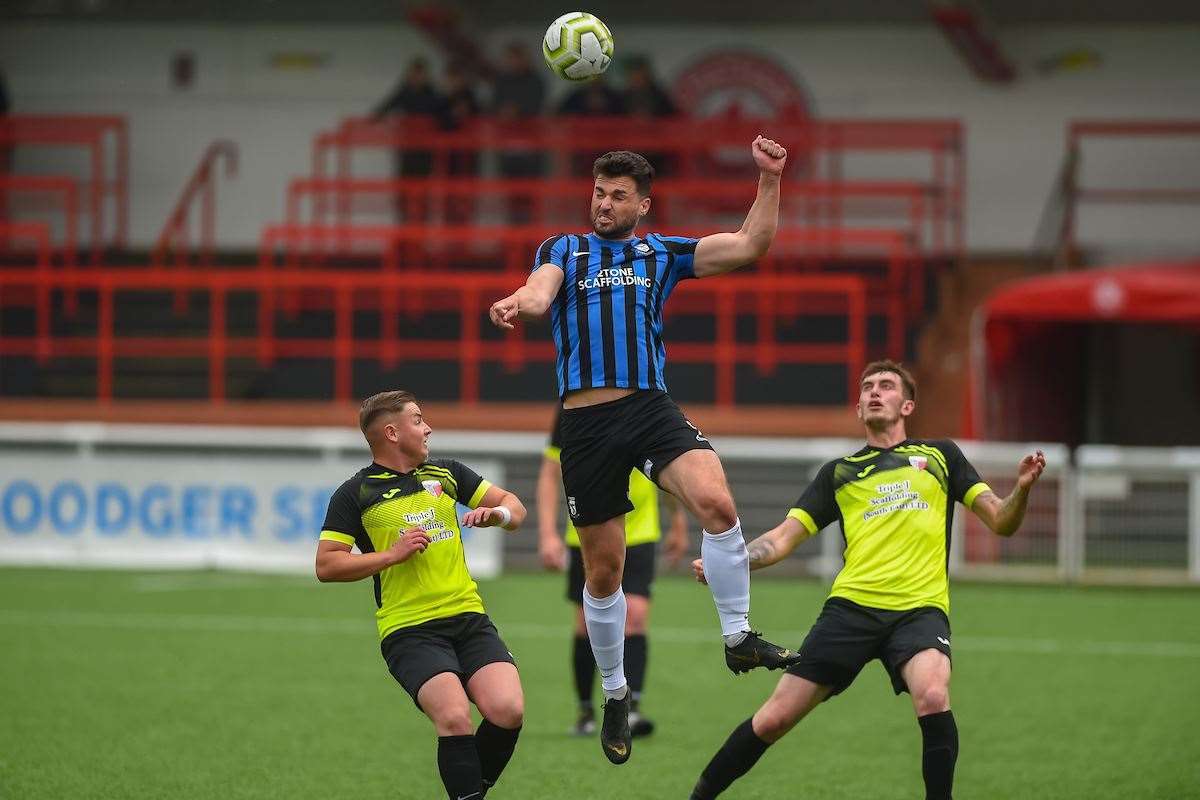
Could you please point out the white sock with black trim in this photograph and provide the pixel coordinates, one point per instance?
(605, 620)
(727, 569)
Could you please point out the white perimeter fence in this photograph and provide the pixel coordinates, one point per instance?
(155, 496)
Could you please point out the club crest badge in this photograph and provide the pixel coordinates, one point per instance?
(642, 248)
(920, 462)
(433, 487)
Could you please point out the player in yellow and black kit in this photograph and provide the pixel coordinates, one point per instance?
(891, 600)
(401, 512)
(642, 533)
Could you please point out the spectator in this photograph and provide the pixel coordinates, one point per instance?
(643, 96)
(593, 99)
(459, 107)
(459, 100)
(517, 88)
(414, 96)
(517, 96)
(646, 99)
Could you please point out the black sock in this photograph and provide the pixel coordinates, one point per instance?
(495, 746)
(584, 664)
(635, 663)
(740, 752)
(458, 761)
(938, 753)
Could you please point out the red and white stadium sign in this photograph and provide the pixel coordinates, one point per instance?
(737, 86)
(740, 85)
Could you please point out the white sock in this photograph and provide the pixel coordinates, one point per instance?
(727, 569)
(605, 620)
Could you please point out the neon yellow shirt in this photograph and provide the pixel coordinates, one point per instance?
(375, 506)
(895, 507)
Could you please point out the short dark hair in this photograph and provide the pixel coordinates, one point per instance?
(382, 403)
(625, 164)
(887, 365)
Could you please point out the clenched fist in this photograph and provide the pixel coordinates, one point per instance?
(769, 155)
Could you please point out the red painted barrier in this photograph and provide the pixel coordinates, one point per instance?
(470, 296)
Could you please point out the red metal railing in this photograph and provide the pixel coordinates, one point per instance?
(65, 192)
(175, 240)
(350, 292)
(1078, 132)
(39, 234)
(895, 284)
(819, 149)
(98, 135)
(564, 201)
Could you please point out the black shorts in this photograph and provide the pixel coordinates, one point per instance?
(460, 644)
(602, 443)
(636, 579)
(846, 636)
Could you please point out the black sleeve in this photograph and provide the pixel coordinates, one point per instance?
(818, 501)
(961, 474)
(343, 514)
(466, 480)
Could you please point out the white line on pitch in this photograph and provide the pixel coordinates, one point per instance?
(518, 630)
(187, 582)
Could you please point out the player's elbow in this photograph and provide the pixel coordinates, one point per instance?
(517, 509)
(757, 244)
(534, 302)
(999, 525)
(325, 570)
(749, 248)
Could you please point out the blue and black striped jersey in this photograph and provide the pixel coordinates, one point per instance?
(607, 317)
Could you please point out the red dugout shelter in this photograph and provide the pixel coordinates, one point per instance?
(1096, 356)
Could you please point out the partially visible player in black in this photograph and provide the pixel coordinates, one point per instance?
(605, 291)
(895, 501)
(642, 533)
(401, 513)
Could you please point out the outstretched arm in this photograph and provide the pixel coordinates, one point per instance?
(770, 548)
(531, 300)
(1005, 516)
(722, 252)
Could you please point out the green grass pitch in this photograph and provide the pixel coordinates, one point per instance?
(218, 685)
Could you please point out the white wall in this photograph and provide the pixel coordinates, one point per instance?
(1015, 133)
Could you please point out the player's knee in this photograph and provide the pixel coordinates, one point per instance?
(507, 713)
(453, 722)
(932, 700)
(637, 614)
(771, 723)
(717, 511)
(604, 577)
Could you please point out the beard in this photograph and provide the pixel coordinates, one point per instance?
(881, 418)
(614, 227)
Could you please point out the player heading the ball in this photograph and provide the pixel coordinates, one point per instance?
(605, 290)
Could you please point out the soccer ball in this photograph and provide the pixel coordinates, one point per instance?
(577, 46)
